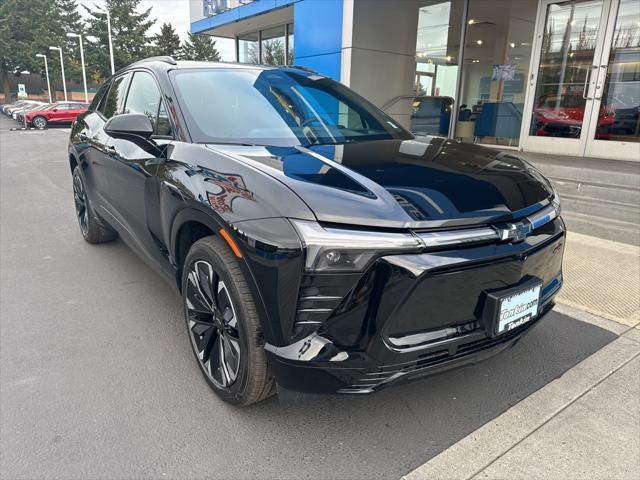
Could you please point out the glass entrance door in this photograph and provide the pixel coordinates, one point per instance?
(614, 128)
(585, 90)
(569, 46)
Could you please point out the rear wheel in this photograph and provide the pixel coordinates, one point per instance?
(93, 229)
(39, 122)
(223, 324)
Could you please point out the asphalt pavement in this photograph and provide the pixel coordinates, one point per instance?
(97, 379)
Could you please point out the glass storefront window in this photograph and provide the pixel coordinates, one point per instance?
(497, 52)
(619, 116)
(428, 110)
(248, 51)
(273, 46)
(290, 44)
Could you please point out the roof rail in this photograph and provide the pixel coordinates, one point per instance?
(162, 58)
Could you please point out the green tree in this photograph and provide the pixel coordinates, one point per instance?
(129, 33)
(64, 19)
(200, 47)
(29, 27)
(273, 52)
(167, 42)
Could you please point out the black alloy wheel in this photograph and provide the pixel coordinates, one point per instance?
(213, 324)
(223, 325)
(93, 229)
(80, 199)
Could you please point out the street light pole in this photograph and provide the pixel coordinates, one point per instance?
(113, 70)
(84, 73)
(46, 71)
(64, 82)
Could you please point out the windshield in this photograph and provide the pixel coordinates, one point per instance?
(282, 107)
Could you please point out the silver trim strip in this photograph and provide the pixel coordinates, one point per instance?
(473, 235)
(542, 217)
(513, 231)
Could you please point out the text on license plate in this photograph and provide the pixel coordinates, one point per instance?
(518, 309)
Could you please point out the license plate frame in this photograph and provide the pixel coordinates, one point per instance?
(507, 309)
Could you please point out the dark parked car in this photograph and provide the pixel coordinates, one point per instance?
(315, 242)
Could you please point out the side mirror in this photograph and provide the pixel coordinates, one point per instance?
(55, 110)
(129, 124)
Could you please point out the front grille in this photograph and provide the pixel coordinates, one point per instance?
(388, 373)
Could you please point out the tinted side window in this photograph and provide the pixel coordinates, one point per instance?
(143, 97)
(98, 96)
(112, 100)
(163, 126)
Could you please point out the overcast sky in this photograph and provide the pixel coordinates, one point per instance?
(175, 12)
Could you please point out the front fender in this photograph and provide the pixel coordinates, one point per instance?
(272, 263)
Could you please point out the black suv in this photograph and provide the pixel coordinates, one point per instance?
(316, 243)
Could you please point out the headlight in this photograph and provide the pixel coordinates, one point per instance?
(340, 250)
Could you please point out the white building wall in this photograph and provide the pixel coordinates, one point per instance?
(378, 49)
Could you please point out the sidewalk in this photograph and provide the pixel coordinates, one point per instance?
(585, 424)
(602, 277)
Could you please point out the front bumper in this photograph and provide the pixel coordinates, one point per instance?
(410, 316)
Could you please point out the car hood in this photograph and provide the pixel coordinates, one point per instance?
(418, 183)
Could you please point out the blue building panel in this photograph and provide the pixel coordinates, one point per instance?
(317, 30)
(317, 26)
(327, 65)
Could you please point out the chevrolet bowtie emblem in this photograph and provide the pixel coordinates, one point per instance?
(514, 232)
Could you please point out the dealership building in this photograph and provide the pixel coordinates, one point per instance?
(536, 75)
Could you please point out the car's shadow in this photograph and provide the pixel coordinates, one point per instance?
(387, 434)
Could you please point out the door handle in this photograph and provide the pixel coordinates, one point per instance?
(587, 80)
(110, 149)
(600, 82)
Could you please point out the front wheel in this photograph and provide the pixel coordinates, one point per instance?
(223, 324)
(39, 122)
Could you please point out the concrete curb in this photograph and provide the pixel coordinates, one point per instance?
(474, 453)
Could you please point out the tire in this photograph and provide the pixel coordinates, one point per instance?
(39, 122)
(93, 229)
(212, 281)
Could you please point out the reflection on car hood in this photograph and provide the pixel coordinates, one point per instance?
(425, 182)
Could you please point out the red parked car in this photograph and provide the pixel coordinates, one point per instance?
(58, 113)
(565, 119)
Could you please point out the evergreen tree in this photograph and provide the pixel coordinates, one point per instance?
(200, 47)
(129, 33)
(167, 42)
(65, 19)
(273, 52)
(28, 27)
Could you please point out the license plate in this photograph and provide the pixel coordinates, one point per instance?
(518, 309)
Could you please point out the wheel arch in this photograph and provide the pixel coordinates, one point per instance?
(73, 162)
(189, 226)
